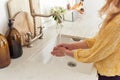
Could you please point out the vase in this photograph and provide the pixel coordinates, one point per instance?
(14, 41)
(4, 52)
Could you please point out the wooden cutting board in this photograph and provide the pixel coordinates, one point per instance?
(16, 6)
(21, 23)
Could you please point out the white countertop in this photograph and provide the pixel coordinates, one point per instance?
(23, 68)
(29, 70)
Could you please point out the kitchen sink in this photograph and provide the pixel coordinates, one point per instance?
(44, 57)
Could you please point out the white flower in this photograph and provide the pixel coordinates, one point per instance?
(58, 12)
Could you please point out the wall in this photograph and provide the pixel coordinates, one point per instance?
(3, 16)
(92, 18)
(91, 7)
(46, 6)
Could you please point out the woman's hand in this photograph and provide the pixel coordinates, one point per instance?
(65, 45)
(61, 51)
(75, 45)
(58, 51)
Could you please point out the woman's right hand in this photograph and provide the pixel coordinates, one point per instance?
(75, 45)
(65, 45)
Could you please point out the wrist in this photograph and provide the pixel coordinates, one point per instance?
(69, 53)
(71, 46)
(74, 46)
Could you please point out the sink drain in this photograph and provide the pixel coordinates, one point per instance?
(72, 64)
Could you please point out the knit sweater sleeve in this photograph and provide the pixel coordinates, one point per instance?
(90, 41)
(106, 43)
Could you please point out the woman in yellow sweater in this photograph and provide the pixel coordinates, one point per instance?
(103, 49)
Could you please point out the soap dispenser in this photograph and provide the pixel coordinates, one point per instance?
(14, 40)
(4, 52)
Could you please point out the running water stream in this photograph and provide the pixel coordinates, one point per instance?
(57, 41)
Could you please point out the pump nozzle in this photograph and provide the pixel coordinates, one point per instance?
(10, 22)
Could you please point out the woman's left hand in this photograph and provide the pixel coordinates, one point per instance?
(58, 51)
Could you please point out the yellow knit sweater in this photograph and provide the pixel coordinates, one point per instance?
(104, 49)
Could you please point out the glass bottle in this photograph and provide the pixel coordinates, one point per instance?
(4, 52)
(14, 40)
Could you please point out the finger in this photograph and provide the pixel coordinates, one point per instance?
(63, 45)
(55, 52)
(59, 54)
(60, 45)
(55, 48)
